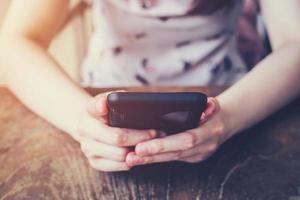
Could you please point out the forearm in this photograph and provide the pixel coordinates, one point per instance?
(38, 81)
(273, 83)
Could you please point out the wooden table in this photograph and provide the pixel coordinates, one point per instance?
(40, 162)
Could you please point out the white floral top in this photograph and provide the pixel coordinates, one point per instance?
(162, 42)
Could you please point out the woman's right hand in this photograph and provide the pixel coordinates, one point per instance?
(106, 147)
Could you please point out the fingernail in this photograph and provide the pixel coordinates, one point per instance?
(142, 150)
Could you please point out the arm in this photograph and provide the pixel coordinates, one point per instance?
(39, 82)
(29, 71)
(273, 83)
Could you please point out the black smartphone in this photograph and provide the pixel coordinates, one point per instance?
(168, 112)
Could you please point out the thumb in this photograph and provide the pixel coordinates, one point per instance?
(97, 106)
(211, 108)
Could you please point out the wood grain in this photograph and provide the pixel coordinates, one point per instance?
(37, 161)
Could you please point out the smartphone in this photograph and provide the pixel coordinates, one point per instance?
(168, 112)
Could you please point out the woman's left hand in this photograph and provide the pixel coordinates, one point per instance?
(190, 146)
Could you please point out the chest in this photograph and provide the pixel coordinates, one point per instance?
(173, 7)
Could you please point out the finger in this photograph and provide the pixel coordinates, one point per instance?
(114, 136)
(92, 148)
(204, 149)
(179, 142)
(211, 108)
(161, 134)
(108, 165)
(132, 159)
(97, 106)
(207, 148)
(196, 158)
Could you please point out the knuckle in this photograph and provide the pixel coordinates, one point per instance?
(121, 155)
(219, 129)
(120, 138)
(189, 140)
(158, 147)
(212, 147)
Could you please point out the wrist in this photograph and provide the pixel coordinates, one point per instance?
(80, 113)
(229, 118)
